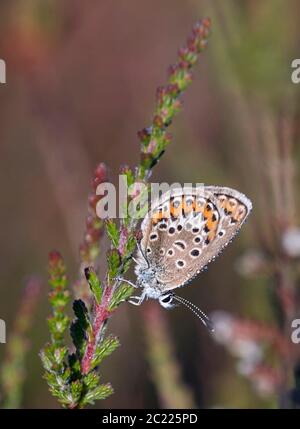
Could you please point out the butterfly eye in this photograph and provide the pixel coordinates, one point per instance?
(166, 299)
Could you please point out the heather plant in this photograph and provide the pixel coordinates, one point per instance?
(14, 366)
(72, 373)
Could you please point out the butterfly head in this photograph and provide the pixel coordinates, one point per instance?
(166, 300)
(170, 300)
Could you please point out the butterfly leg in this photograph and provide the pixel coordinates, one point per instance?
(135, 260)
(137, 300)
(120, 279)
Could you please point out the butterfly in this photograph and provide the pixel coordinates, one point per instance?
(184, 231)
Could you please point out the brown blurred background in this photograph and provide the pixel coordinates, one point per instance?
(81, 79)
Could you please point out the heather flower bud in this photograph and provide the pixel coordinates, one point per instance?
(101, 172)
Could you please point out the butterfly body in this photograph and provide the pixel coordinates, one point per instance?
(147, 280)
(185, 230)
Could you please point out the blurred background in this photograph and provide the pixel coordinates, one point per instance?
(81, 80)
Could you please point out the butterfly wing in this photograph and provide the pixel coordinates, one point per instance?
(183, 232)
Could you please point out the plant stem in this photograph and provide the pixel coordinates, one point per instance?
(101, 316)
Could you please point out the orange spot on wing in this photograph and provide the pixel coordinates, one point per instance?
(157, 217)
(207, 211)
(176, 211)
(210, 223)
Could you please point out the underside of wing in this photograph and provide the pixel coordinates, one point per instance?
(184, 231)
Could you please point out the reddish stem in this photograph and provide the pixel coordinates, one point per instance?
(101, 315)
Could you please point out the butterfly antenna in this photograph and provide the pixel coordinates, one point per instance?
(196, 310)
(142, 253)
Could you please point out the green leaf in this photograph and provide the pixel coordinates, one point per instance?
(59, 385)
(113, 260)
(113, 232)
(123, 293)
(57, 271)
(81, 312)
(104, 349)
(59, 298)
(94, 283)
(130, 245)
(53, 358)
(81, 328)
(58, 325)
(91, 380)
(74, 365)
(47, 363)
(76, 390)
(129, 175)
(100, 392)
(60, 354)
